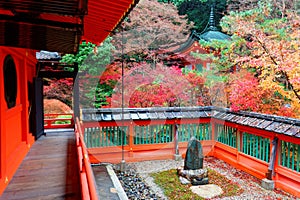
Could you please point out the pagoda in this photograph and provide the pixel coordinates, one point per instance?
(183, 54)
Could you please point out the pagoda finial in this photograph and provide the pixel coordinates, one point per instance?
(212, 25)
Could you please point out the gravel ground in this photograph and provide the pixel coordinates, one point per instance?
(250, 184)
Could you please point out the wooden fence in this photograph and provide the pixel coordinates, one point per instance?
(54, 121)
(253, 151)
(236, 141)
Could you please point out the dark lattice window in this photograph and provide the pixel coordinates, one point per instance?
(10, 81)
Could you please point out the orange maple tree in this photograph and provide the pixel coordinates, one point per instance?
(265, 42)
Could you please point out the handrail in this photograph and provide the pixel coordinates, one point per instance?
(87, 181)
(51, 119)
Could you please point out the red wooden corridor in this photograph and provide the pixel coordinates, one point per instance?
(49, 170)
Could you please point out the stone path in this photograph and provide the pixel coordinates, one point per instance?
(207, 191)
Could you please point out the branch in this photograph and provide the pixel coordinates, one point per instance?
(266, 50)
(281, 71)
(290, 85)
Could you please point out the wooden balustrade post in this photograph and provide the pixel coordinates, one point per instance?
(72, 121)
(130, 142)
(273, 158)
(213, 137)
(81, 126)
(239, 140)
(277, 158)
(239, 143)
(177, 156)
(49, 123)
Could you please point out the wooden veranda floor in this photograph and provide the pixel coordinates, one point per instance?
(49, 170)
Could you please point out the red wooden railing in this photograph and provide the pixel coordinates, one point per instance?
(87, 180)
(111, 151)
(243, 146)
(54, 121)
(285, 178)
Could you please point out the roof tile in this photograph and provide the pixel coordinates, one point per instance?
(273, 126)
(294, 130)
(264, 124)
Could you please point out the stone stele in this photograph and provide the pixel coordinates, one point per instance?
(194, 155)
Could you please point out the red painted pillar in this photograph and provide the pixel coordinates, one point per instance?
(3, 178)
(24, 97)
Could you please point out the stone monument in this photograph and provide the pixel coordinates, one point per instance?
(194, 155)
(193, 171)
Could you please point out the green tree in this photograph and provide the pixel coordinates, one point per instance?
(92, 61)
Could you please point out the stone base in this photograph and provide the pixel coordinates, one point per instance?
(268, 184)
(184, 181)
(177, 157)
(195, 177)
(203, 181)
(194, 182)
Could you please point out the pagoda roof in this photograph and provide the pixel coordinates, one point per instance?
(212, 33)
(194, 37)
(209, 34)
